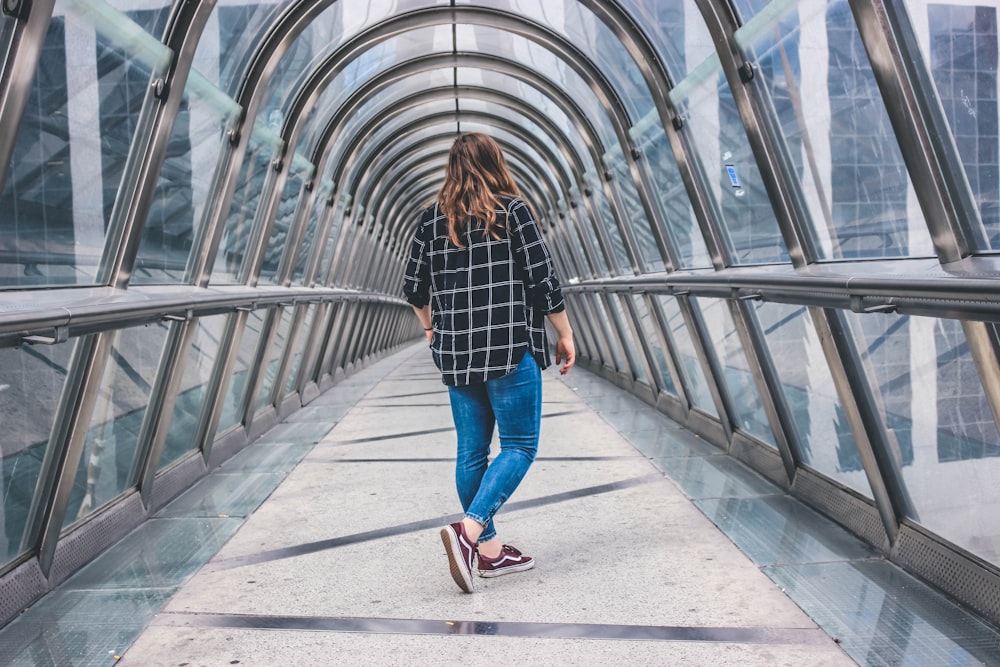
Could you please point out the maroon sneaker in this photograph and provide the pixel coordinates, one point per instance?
(509, 560)
(461, 552)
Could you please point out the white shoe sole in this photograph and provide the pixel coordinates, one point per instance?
(510, 569)
(459, 572)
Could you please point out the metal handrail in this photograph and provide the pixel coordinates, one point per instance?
(969, 289)
(53, 315)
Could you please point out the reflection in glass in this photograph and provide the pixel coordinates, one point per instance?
(196, 144)
(697, 387)
(670, 195)
(635, 214)
(238, 225)
(31, 380)
(650, 331)
(713, 125)
(619, 257)
(108, 458)
(301, 335)
(300, 170)
(750, 415)
(70, 152)
(633, 351)
(232, 414)
(676, 29)
(612, 337)
(827, 444)
(960, 45)
(538, 59)
(838, 133)
(205, 349)
(943, 434)
(272, 358)
(589, 34)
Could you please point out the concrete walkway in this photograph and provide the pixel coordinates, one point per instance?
(343, 565)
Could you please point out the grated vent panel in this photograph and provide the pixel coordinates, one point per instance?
(19, 588)
(858, 516)
(950, 571)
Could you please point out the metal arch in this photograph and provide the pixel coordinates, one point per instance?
(492, 120)
(539, 172)
(540, 167)
(18, 74)
(483, 94)
(533, 31)
(600, 233)
(563, 48)
(567, 147)
(573, 161)
(490, 62)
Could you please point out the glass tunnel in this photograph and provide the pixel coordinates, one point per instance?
(776, 222)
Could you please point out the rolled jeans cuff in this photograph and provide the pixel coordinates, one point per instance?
(487, 525)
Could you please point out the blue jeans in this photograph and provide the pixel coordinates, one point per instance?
(514, 404)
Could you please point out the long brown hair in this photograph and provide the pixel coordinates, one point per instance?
(475, 177)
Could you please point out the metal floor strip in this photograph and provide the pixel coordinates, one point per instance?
(413, 526)
(605, 631)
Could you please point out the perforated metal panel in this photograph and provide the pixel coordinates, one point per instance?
(19, 589)
(958, 575)
(82, 544)
(855, 514)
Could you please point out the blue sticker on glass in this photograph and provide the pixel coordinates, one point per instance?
(733, 179)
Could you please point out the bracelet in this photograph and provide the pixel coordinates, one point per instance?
(428, 328)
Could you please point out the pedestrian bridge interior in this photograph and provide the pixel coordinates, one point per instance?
(776, 225)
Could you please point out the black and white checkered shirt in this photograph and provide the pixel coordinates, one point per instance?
(490, 298)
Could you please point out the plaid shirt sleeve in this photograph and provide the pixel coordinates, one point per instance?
(417, 281)
(540, 282)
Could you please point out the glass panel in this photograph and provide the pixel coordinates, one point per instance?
(107, 462)
(523, 90)
(602, 208)
(522, 121)
(670, 195)
(231, 408)
(750, 415)
(589, 34)
(623, 322)
(333, 28)
(196, 146)
(676, 29)
(317, 216)
(614, 356)
(82, 111)
(301, 334)
(366, 66)
(31, 381)
(827, 444)
(206, 347)
(635, 215)
(651, 332)
(538, 59)
(285, 218)
(272, 358)
(959, 43)
(838, 133)
(378, 103)
(947, 441)
(240, 31)
(246, 198)
(330, 248)
(713, 125)
(697, 387)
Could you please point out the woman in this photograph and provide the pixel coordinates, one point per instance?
(480, 280)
